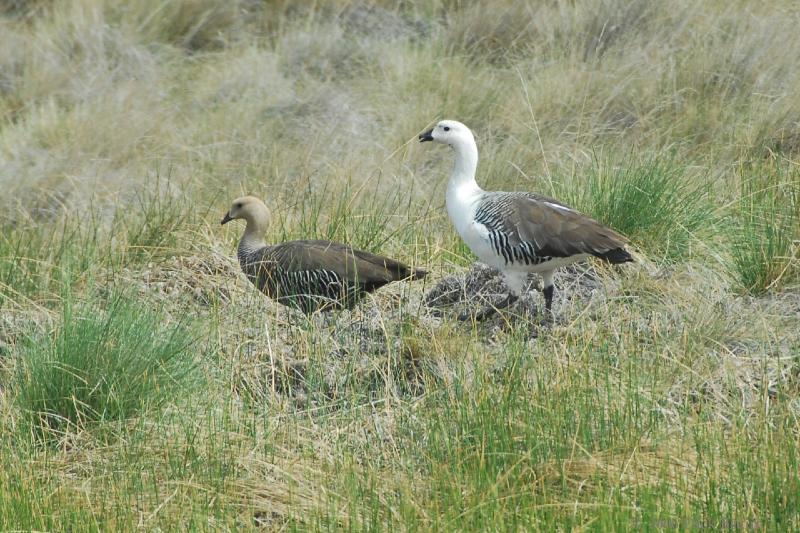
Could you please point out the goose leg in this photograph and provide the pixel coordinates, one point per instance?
(548, 297)
(548, 289)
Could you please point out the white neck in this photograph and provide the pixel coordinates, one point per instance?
(462, 189)
(466, 163)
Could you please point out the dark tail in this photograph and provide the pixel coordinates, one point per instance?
(616, 256)
(417, 273)
(400, 271)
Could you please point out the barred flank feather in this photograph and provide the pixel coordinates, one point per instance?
(525, 228)
(319, 275)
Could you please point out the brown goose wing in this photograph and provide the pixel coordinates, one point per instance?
(552, 229)
(351, 265)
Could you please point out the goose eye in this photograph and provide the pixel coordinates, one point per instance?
(238, 206)
(447, 128)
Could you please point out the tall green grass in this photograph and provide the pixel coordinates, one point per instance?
(533, 442)
(106, 361)
(37, 259)
(650, 200)
(766, 230)
(367, 216)
(152, 223)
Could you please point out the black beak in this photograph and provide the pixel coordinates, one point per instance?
(227, 218)
(427, 136)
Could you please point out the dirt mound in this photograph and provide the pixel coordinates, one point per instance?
(482, 285)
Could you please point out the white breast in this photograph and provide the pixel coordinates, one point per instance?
(462, 203)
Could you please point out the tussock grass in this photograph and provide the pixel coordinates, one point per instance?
(651, 201)
(104, 363)
(662, 399)
(766, 240)
(367, 216)
(38, 259)
(153, 222)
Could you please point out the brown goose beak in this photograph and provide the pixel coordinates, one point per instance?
(227, 218)
(427, 136)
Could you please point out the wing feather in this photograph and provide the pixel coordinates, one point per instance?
(550, 227)
(350, 264)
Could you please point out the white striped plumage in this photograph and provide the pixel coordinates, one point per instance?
(517, 232)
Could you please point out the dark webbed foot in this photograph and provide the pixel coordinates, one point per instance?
(489, 310)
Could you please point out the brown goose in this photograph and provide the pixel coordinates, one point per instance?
(517, 232)
(309, 275)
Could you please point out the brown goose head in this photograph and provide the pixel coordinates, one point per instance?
(251, 210)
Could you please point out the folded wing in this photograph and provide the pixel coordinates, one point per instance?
(531, 225)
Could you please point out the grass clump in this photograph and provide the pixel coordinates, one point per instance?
(152, 227)
(766, 243)
(103, 363)
(36, 259)
(366, 216)
(649, 201)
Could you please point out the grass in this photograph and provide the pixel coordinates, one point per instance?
(105, 363)
(152, 227)
(145, 384)
(38, 259)
(766, 241)
(352, 214)
(649, 201)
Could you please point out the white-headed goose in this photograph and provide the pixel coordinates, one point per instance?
(309, 275)
(518, 232)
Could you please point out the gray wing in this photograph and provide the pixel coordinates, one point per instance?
(285, 277)
(355, 267)
(526, 227)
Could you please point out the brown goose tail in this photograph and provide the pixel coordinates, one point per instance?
(417, 273)
(616, 256)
